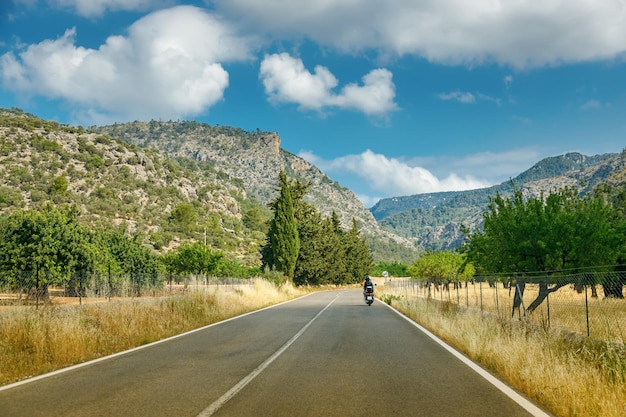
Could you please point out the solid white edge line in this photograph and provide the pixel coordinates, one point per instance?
(512, 394)
(115, 355)
(217, 404)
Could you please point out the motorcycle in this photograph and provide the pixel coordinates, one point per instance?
(368, 296)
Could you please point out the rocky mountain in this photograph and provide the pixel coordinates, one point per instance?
(175, 181)
(115, 183)
(255, 159)
(171, 181)
(434, 220)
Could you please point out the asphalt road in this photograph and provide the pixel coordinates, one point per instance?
(326, 354)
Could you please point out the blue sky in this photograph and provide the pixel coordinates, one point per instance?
(388, 97)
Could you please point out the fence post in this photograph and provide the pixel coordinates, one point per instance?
(37, 287)
(586, 308)
(497, 307)
(480, 287)
(548, 302)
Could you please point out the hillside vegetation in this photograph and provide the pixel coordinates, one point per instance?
(169, 182)
(255, 159)
(434, 219)
(165, 199)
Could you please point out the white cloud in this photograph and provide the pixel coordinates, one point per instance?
(286, 80)
(519, 33)
(467, 97)
(461, 97)
(394, 177)
(169, 66)
(96, 8)
(374, 176)
(490, 167)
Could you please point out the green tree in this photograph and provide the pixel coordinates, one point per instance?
(311, 267)
(185, 216)
(283, 243)
(332, 251)
(197, 258)
(358, 258)
(395, 268)
(442, 268)
(49, 241)
(130, 256)
(59, 185)
(544, 234)
(254, 219)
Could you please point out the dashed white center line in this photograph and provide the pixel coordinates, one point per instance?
(210, 410)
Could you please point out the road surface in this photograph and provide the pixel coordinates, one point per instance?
(326, 354)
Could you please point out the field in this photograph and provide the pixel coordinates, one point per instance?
(556, 365)
(586, 311)
(61, 333)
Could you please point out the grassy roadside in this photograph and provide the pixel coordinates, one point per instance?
(34, 342)
(569, 375)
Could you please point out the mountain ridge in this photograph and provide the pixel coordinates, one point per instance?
(435, 219)
(203, 183)
(147, 175)
(253, 157)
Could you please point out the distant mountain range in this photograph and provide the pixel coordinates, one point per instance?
(143, 175)
(433, 220)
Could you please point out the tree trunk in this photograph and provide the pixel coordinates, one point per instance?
(518, 298)
(613, 290)
(544, 290)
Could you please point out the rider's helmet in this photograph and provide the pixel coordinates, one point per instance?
(367, 277)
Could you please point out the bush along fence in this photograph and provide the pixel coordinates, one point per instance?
(588, 303)
(41, 287)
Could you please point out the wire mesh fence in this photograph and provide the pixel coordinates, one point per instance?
(42, 287)
(589, 303)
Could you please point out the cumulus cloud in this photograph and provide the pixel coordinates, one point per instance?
(518, 33)
(96, 8)
(490, 167)
(286, 80)
(394, 177)
(374, 176)
(169, 66)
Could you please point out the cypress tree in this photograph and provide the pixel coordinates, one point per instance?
(311, 266)
(359, 260)
(333, 250)
(283, 243)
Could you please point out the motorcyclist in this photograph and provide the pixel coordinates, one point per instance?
(368, 285)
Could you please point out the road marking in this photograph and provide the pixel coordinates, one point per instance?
(158, 342)
(508, 391)
(210, 410)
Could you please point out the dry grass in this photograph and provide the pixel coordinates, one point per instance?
(565, 309)
(33, 341)
(567, 373)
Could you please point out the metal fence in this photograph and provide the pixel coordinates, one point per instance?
(37, 288)
(589, 303)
